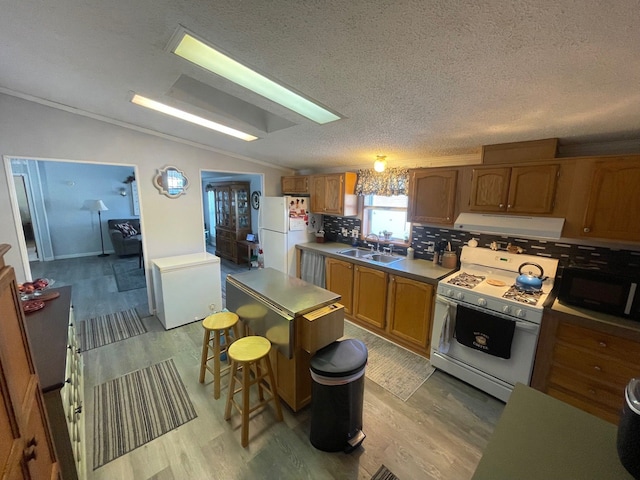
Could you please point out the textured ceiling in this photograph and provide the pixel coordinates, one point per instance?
(417, 81)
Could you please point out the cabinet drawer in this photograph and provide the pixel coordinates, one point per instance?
(603, 343)
(605, 413)
(321, 327)
(598, 367)
(590, 389)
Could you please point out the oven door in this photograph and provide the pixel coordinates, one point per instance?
(518, 368)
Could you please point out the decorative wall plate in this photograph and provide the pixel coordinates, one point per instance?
(255, 200)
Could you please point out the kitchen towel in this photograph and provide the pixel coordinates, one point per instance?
(445, 334)
(484, 332)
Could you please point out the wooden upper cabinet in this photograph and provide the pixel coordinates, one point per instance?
(432, 195)
(334, 194)
(517, 189)
(613, 208)
(295, 185)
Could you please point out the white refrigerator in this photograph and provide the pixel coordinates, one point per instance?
(283, 223)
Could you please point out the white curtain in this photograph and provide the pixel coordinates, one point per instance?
(312, 268)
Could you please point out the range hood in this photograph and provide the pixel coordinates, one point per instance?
(514, 226)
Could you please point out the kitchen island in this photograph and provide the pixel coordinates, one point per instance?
(539, 437)
(298, 318)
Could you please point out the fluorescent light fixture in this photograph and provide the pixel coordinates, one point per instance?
(210, 59)
(189, 117)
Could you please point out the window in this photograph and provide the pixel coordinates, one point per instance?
(386, 214)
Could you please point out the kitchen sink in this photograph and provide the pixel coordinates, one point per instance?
(355, 253)
(369, 256)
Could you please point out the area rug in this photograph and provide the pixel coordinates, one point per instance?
(136, 408)
(394, 368)
(384, 473)
(110, 328)
(129, 276)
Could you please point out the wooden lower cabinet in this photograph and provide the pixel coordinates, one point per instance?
(339, 279)
(587, 362)
(409, 311)
(393, 306)
(26, 447)
(312, 331)
(369, 296)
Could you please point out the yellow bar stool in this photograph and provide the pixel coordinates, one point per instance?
(245, 353)
(214, 326)
(252, 316)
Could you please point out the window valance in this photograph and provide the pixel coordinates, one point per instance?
(393, 181)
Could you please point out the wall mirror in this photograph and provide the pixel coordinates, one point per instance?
(171, 182)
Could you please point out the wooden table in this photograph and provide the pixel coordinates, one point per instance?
(250, 246)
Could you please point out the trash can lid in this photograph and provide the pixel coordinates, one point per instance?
(340, 359)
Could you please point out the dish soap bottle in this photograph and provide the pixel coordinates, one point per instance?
(410, 253)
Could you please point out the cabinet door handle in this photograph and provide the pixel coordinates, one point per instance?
(603, 344)
(509, 206)
(586, 230)
(597, 368)
(501, 205)
(592, 391)
(32, 442)
(29, 455)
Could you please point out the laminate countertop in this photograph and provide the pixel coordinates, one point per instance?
(539, 437)
(417, 269)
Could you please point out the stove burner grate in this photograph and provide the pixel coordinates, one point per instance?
(466, 280)
(523, 296)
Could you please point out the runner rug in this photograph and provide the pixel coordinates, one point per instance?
(110, 328)
(394, 368)
(136, 408)
(129, 276)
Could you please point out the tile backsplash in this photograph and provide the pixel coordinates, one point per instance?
(610, 259)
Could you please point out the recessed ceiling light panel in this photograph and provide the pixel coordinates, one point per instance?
(189, 117)
(198, 52)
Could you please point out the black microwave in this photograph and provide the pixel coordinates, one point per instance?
(612, 293)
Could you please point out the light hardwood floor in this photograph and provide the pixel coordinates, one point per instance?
(439, 433)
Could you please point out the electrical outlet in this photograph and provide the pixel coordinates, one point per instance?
(345, 232)
(430, 247)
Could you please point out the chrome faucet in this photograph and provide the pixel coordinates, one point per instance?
(377, 241)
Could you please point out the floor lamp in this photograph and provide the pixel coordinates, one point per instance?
(98, 206)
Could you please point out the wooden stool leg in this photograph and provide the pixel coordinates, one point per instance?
(246, 393)
(216, 364)
(274, 389)
(205, 354)
(232, 386)
(259, 377)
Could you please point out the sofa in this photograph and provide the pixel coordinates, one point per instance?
(124, 245)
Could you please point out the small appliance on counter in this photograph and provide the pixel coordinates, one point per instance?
(613, 293)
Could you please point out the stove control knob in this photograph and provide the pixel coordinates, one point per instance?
(449, 292)
(482, 302)
(520, 313)
(459, 295)
(506, 309)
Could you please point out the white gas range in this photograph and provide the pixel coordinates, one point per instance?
(485, 330)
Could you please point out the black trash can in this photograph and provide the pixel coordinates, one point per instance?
(337, 394)
(628, 440)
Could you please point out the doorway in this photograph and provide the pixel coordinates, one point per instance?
(26, 217)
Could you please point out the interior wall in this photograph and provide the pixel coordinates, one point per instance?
(169, 226)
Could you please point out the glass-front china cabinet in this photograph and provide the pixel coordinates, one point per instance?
(233, 217)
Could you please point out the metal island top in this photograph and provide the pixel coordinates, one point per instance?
(290, 294)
